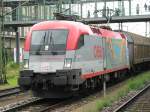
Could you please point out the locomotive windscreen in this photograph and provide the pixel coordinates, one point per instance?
(49, 42)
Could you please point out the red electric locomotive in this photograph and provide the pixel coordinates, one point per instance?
(61, 57)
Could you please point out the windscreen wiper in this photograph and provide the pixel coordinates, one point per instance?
(51, 44)
(42, 42)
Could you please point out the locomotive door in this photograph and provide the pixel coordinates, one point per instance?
(104, 53)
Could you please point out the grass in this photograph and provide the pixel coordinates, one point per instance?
(131, 84)
(12, 73)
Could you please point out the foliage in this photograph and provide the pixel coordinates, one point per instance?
(12, 73)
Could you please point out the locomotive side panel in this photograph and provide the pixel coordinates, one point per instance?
(89, 57)
(116, 53)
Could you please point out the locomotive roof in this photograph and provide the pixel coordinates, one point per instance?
(75, 30)
(60, 24)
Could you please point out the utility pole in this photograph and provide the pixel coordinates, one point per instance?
(2, 57)
(1, 78)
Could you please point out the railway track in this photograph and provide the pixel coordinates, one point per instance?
(74, 102)
(57, 105)
(140, 102)
(39, 105)
(44, 106)
(51, 107)
(34, 105)
(8, 92)
(18, 105)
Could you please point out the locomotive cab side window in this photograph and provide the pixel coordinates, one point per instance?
(81, 41)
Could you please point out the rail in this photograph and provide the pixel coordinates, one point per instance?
(132, 99)
(15, 106)
(10, 91)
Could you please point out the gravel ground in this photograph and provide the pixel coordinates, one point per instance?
(140, 104)
(122, 100)
(79, 105)
(82, 105)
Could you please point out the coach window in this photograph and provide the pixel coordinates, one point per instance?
(81, 41)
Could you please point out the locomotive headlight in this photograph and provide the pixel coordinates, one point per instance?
(26, 63)
(67, 63)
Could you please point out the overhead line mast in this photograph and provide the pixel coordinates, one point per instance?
(2, 50)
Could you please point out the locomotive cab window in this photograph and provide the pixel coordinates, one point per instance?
(49, 42)
(81, 41)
